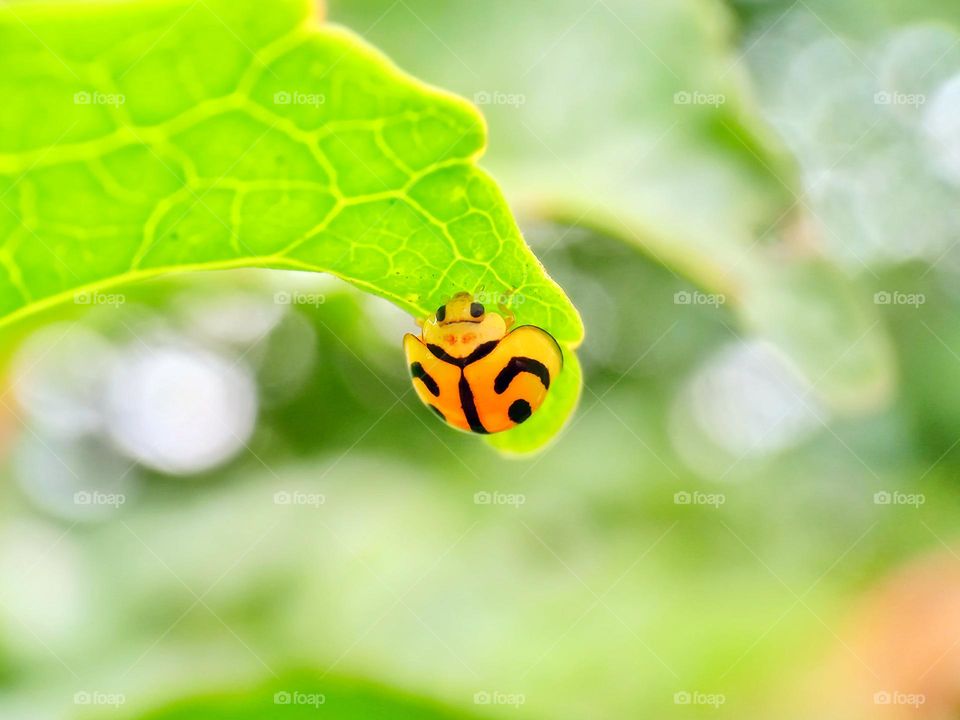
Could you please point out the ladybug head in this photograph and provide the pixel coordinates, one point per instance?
(460, 308)
(462, 324)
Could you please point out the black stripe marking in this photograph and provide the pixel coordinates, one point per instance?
(519, 411)
(481, 351)
(417, 371)
(519, 365)
(470, 407)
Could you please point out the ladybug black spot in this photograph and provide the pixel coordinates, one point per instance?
(519, 411)
(476, 310)
(441, 313)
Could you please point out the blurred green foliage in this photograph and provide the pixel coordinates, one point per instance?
(762, 400)
(335, 698)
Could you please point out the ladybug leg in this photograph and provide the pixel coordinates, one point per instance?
(504, 307)
(507, 313)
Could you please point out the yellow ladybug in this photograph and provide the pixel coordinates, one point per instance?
(476, 375)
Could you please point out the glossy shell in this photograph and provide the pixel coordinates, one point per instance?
(497, 386)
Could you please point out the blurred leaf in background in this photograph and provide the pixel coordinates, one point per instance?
(304, 696)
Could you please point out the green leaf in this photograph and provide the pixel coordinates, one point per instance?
(152, 137)
(303, 695)
(654, 138)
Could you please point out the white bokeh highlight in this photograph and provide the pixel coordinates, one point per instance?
(57, 378)
(941, 126)
(744, 403)
(179, 409)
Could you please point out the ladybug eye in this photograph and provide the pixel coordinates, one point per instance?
(476, 309)
(441, 313)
